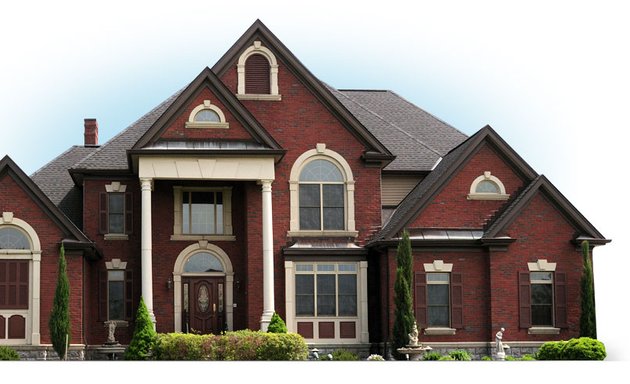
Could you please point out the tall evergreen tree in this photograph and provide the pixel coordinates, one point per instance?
(588, 327)
(59, 322)
(403, 311)
(144, 335)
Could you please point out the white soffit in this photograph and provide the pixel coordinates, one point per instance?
(223, 168)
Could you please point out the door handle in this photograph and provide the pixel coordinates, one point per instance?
(214, 307)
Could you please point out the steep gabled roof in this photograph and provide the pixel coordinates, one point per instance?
(417, 138)
(542, 185)
(430, 186)
(207, 79)
(73, 236)
(55, 181)
(258, 31)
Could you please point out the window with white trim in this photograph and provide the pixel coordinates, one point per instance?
(487, 187)
(322, 195)
(257, 71)
(202, 212)
(325, 289)
(116, 211)
(542, 298)
(207, 115)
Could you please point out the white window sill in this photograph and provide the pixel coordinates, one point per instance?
(116, 236)
(543, 331)
(260, 97)
(488, 196)
(203, 237)
(322, 233)
(190, 124)
(439, 331)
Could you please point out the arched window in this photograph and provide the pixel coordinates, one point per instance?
(322, 195)
(203, 262)
(207, 115)
(257, 70)
(487, 187)
(13, 238)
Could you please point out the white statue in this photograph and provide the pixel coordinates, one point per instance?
(413, 336)
(499, 341)
(111, 339)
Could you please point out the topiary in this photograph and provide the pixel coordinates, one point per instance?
(277, 325)
(7, 353)
(144, 335)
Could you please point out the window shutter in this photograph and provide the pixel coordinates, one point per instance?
(102, 298)
(524, 300)
(457, 301)
(560, 279)
(128, 212)
(128, 295)
(420, 293)
(102, 228)
(257, 75)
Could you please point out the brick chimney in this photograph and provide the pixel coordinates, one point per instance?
(90, 133)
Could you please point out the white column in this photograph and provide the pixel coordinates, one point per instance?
(267, 237)
(147, 246)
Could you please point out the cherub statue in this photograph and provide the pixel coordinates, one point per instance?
(413, 336)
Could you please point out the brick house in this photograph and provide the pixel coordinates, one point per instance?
(257, 188)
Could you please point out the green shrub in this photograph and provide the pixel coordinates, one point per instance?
(277, 325)
(59, 321)
(7, 353)
(460, 355)
(583, 348)
(486, 358)
(528, 357)
(144, 335)
(244, 345)
(431, 356)
(344, 355)
(446, 358)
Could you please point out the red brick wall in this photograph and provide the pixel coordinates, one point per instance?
(15, 199)
(542, 233)
(452, 209)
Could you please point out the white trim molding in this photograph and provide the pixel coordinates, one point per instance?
(258, 49)
(222, 123)
(487, 176)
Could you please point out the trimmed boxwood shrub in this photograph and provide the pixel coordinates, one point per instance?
(7, 353)
(242, 345)
(583, 348)
(277, 325)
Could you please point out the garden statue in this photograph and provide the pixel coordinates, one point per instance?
(413, 336)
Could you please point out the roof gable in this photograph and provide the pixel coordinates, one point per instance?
(72, 233)
(445, 170)
(542, 185)
(207, 80)
(375, 150)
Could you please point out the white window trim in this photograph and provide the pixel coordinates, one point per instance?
(441, 267)
(178, 272)
(474, 195)
(321, 152)
(115, 265)
(191, 123)
(228, 229)
(257, 48)
(32, 314)
(362, 307)
(116, 187)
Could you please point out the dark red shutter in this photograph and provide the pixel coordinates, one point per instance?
(257, 75)
(128, 295)
(457, 301)
(102, 296)
(420, 299)
(560, 280)
(128, 212)
(524, 300)
(102, 213)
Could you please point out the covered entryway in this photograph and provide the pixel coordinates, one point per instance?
(203, 282)
(203, 302)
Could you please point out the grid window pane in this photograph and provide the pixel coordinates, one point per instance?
(347, 295)
(326, 295)
(116, 300)
(116, 213)
(202, 212)
(542, 304)
(438, 304)
(304, 295)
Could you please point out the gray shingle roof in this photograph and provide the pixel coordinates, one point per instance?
(55, 181)
(417, 138)
(113, 154)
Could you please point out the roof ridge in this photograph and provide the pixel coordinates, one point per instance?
(390, 123)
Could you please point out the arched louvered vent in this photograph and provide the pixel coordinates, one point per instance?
(257, 75)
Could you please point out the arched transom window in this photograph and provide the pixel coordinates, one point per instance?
(203, 262)
(13, 238)
(487, 187)
(207, 115)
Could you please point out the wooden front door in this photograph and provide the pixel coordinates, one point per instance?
(203, 304)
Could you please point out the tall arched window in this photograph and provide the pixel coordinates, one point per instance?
(322, 195)
(20, 260)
